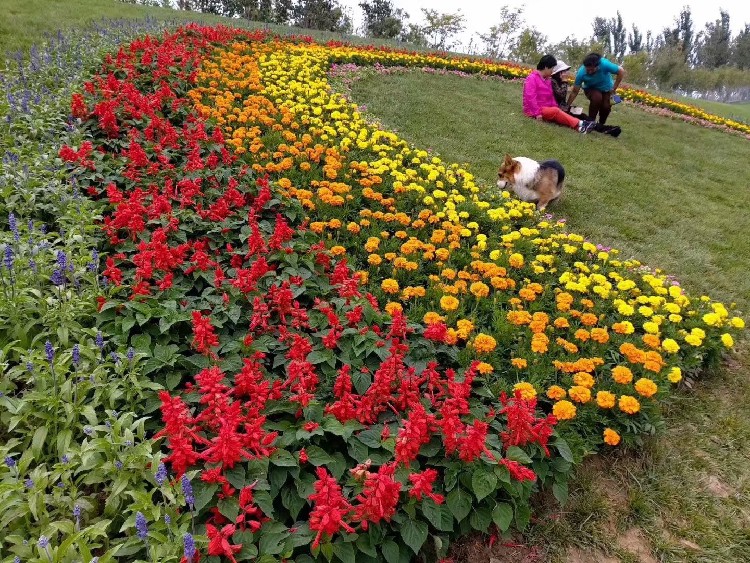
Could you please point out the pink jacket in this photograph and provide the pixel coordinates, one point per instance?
(537, 94)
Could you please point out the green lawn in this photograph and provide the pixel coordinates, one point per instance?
(672, 195)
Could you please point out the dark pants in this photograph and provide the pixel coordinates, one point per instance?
(599, 104)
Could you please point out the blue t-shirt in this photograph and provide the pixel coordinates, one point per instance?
(601, 79)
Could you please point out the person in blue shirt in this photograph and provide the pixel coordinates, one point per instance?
(595, 76)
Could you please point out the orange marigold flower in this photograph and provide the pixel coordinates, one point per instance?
(389, 285)
(580, 394)
(561, 322)
(589, 319)
(622, 375)
(432, 317)
(556, 393)
(600, 335)
(519, 363)
(451, 337)
(611, 438)
(527, 390)
(629, 405)
(645, 387)
(479, 290)
(338, 250)
(582, 334)
(605, 399)
(564, 410)
(484, 368)
(448, 303)
(484, 343)
(651, 340)
(539, 343)
(584, 379)
(392, 308)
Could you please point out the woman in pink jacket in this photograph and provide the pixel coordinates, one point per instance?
(539, 100)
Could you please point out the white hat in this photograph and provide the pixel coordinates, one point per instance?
(560, 66)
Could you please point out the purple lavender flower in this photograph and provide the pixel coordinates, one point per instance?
(62, 260)
(29, 367)
(32, 265)
(16, 559)
(141, 527)
(189, 543)
(65, 458)
(43, 542)
(93, 266)
(88, 430)
(167, 519)
(28, 483)
(10, 462)
(131, 354)
(115, 357)
(8, 258)
(57, 277)
(49, 350)
(13, 226)
(187, 490)
(76, 355)
(118, 464)
(99, 340)
(161, 474)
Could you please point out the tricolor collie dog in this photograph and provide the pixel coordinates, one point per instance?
(540, 182)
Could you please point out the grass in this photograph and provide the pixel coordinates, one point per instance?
(670, 194)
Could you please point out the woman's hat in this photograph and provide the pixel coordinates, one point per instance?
(559, 67)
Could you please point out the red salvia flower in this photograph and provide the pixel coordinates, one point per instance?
(218, 541)
(379, 497)
(422, 485)
(330, 508)
(203, 334)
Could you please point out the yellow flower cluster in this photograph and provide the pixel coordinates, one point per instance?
(433, 241)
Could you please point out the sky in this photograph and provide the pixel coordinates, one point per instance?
(558, 19)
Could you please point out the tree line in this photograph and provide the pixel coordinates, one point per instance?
(679, 57)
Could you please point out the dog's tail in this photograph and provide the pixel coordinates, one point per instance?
(556, 166)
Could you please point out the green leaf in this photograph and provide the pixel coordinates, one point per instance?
(481, 518)
(439, 515)
(345, 551)
(414, 534)
(203, 493)
(264, 501)
(272, 543)
(483, 482)
(317, 456)
(229, 507)
(502, 516)
(283, 458)
(515, 453)
(361, 381)
(459, 503)
(560, 490)
(564, 449)
(291, 500)
(37, 442)
(390, 551)
(523, 515)
(371, 436)
(236, 476)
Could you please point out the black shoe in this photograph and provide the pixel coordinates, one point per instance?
(614, 131)
(587, 126)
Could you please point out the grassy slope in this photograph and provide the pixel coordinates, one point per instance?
(670, 194)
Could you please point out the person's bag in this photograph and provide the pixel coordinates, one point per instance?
(616, 99)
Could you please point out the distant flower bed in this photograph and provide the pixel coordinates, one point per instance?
(359, 351)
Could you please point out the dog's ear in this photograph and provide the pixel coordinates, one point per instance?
(508, 160)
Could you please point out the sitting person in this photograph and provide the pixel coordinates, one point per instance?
(539, 100)
(559, 81)
(595, 76)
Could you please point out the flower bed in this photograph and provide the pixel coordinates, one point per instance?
(360, 352)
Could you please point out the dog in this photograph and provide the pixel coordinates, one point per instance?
(539, 182)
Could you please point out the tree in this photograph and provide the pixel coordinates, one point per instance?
(413, 34)
(382, 19)
(500, 37)
(681, 36)
(325, 15)
(635, 40)
(441, 28)
(256, 10)
(603, 33)
(530, 46)
(573, 51)
(714, 47)
(282, 11)
(741, 49)
(618, 37)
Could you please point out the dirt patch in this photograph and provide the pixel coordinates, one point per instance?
(717, 487)
(633, 541)
(577, 555)
(477, 549)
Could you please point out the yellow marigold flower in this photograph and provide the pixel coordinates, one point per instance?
(432, 317)
(484, 343)
(389, 285)
(338, 250)
(737, 322)
(527, 389)
(392, 308)
(556, 393)
(693, 340)
(479, 290)
(484, 368)
(584, 379)
(645, 387)
(675, 375)
(451, 337)
(611, 438)
(624, 327)
(629, 405)
(464, 327)
(727, 340)
(448, 303)
(712, 319)
(516, 260)
(580, 394)
(622, 375)
(670, 346)
(651, 327)
(564, 410)
(519, 363)
(605, 399)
